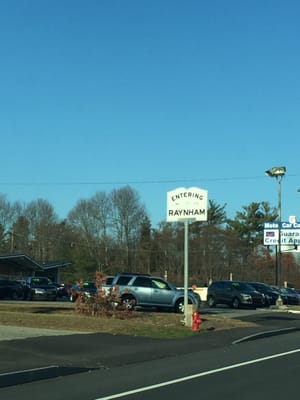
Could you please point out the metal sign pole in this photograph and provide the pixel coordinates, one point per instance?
(186, 205)
(186, 268)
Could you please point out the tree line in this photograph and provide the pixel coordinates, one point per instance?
(112, 232)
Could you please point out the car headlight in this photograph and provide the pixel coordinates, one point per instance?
(246, 296)
(39, 291)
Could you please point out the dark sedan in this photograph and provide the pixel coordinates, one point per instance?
(289, 296)
(86, 288)
(10, 289)
(271, 295)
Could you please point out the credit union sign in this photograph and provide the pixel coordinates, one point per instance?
(187, 204)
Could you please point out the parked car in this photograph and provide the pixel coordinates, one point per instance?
(10, 289)
(26, 289)
(271, 295)
(86, 288)
(142, 290)
(289, 296)
(107, 283)
(62, 290)
(41, 288)
(234, 294)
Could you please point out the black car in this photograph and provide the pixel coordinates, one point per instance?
(41, 288)
(10, 289)
(271, 295)
(86, 288)
(234, 294)
(62, 290)
(289, 296)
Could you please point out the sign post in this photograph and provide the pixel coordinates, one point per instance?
(186, 205)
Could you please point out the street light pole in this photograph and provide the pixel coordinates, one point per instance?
(279, 179)
(278, 173)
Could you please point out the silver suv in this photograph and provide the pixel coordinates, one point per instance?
(151, 291)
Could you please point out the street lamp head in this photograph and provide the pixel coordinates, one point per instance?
(298, 190)
(276, 171)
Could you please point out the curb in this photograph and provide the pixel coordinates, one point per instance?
(264, 334)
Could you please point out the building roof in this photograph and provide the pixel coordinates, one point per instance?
(10, 264)
(19, 261)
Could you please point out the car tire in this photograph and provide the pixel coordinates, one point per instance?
(128, 302)
(14, 295)
(179, 306)
(211, 302)
(236, 303)
(73, 297)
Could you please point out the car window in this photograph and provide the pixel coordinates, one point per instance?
(159, 284)
(89, 285)
(242, 286)
(40, 281)
(123, 280)
(220, 285)
(109, 280)
(142, 281)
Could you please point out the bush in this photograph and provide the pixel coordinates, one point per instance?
(105, 303)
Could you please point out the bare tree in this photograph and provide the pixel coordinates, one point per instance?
(128, 217)
(92, 220)
(42, 222)
(9, 213)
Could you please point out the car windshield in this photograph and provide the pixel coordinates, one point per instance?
(242, 286)
(288, 290)
(40, 281)
(89, 285)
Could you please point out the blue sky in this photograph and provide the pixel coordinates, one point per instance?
(155, 94)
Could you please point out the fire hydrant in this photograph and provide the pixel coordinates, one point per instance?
(196, 321)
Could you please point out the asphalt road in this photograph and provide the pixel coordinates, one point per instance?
(259, 362)
(35, 348)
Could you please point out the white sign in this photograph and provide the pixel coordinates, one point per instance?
(187, 204)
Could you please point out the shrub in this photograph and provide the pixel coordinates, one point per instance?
(105, 303)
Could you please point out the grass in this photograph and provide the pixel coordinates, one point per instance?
(62, 316)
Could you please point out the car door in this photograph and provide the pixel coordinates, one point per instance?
(227, 293)
(5, 288)
(141, 288)
(2, 289)
(162, 293)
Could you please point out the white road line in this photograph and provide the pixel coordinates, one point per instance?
(200, 374)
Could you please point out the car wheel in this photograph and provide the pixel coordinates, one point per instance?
(211, 301)
(236, 303)
(179, 306)
(14, 295)
(129, 302)
(29, 296)
(73, 297)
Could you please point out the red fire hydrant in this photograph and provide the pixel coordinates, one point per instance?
(196, 321)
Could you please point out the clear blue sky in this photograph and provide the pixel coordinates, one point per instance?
(157, 94)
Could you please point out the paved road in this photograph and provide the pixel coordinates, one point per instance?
(117, 360)
(30, 348)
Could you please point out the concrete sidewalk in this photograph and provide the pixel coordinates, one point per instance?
(15, 332)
